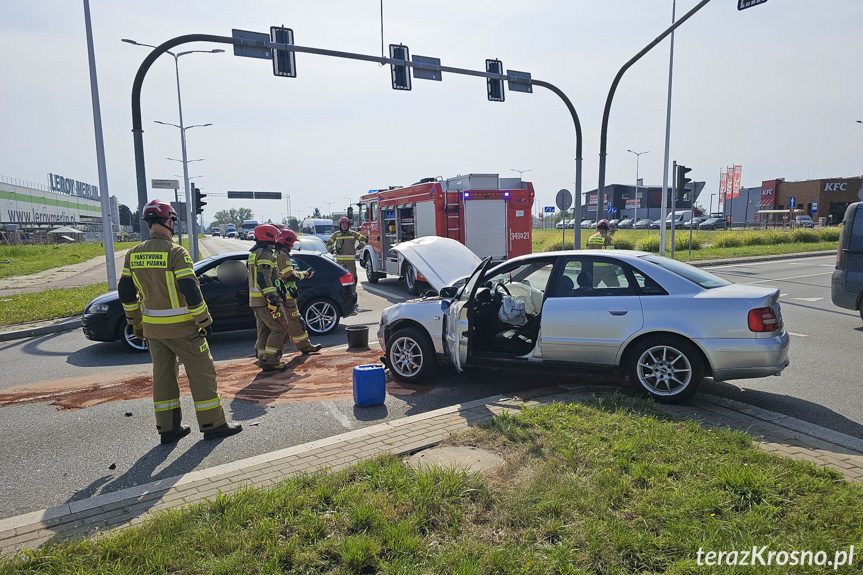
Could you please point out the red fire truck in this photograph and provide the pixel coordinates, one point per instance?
(488, 214)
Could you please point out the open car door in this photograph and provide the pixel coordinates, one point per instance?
(458, 317)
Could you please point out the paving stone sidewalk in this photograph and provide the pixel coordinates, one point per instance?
(776, 433)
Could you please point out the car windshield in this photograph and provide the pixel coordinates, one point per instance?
(310, 244)
(697, 276)
(324, 229)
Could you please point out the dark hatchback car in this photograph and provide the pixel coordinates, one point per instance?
(713, 224)
(324, 298)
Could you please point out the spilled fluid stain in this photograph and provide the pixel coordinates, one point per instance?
(324, 377)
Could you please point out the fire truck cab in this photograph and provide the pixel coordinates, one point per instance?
(488, 214)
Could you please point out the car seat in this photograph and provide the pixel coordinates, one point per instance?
(585, 283)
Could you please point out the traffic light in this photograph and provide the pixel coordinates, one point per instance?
(682, 180)
(350, 212)
(198, 202)
(401, 75)
(495, 86)
(284, 62)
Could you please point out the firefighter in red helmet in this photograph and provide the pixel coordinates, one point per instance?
(344, 243)
(289, 293)
(601, 239)
(163, 303)
(264, 299)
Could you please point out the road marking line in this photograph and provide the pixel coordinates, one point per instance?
(808, 298)
(334, 411)
(788, 278)
(797, 334)
(745, 264)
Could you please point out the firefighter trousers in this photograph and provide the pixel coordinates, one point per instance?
(351, 265)
(271, 336)
(299, 336)
(194, 352)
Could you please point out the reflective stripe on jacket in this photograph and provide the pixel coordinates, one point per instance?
(597, 242)
(289, 275)
(155, 266)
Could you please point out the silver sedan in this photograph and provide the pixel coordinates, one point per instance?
(663, 324)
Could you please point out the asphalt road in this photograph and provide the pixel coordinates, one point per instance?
(51, 456)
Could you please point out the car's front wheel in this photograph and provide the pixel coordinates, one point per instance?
(371, 275)
(670, 370)
(410, 355)
(321, 316)
(127, 335)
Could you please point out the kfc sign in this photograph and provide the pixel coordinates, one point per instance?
(835, 186)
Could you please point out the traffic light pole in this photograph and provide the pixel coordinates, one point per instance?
(138, 83)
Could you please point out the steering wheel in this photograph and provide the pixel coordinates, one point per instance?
(500, 286)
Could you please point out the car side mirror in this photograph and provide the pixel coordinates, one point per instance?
(449, 291)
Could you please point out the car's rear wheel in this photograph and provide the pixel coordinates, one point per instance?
(127, 335)
(669, 369)
(371, 275)
(410, 355)
(321, 316)
(410, 274)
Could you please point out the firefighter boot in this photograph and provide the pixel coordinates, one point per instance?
(224, 430)
(178, 431)
(280, 366)
(311, 348)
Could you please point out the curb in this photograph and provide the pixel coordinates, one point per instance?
(745, 260)
(67, 324)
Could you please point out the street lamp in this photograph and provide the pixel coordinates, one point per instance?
(710, 210)
(193, 245)
(637, 199)
(329, 207)
(520, 172)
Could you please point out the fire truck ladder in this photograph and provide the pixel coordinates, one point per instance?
(452, 209)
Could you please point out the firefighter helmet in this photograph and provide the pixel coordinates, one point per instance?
(286, 237)
(602, 225)
(344, 220)
(160, 210)
(266, 233)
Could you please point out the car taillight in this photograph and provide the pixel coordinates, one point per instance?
(347, 279)
(763, 319)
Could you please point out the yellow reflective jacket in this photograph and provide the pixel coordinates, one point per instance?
(287, 273)
(262, 276)
(598, 241)
(155, 266)
(345, 244)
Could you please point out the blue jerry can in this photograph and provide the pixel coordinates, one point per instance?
(370, 385)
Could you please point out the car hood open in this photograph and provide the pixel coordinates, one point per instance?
(441, 260)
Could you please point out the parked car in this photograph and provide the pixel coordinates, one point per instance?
(587, 224)
(804, 221)
(625, 224)
(642, 224)
(846, 285)
(615, 223)
(693, 223)
(713, 224)
(655, 224)
(662, 323)
(324, 298)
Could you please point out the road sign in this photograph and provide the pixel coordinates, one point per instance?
(519, 81)
(744, 4)
(814, 207)
(254, 195)
(252, 51)
(427, 74)
(792, 201)
(563, 199)
(165, 184)
(284, 62)
(549, 209)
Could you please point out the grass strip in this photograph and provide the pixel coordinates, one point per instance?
(25, 260)
(48, 304)
(612, 487)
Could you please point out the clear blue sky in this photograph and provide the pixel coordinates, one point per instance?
(775, 88)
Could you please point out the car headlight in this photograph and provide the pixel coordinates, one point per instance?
(97, 308)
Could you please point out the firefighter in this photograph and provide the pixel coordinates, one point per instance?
(163, 303)
(344, 243)
(601, 239)
(264, 299)
(289, 293)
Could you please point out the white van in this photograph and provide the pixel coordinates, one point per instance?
(679, 218)
(322, 228)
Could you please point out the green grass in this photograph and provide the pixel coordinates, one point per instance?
(48, 304)
(613, 487)
(705, 244)
(25, 260)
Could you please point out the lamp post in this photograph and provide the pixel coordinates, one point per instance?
(637, 199)
(710, 209)
(193, 246)
(330, 208)
(520, 172)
